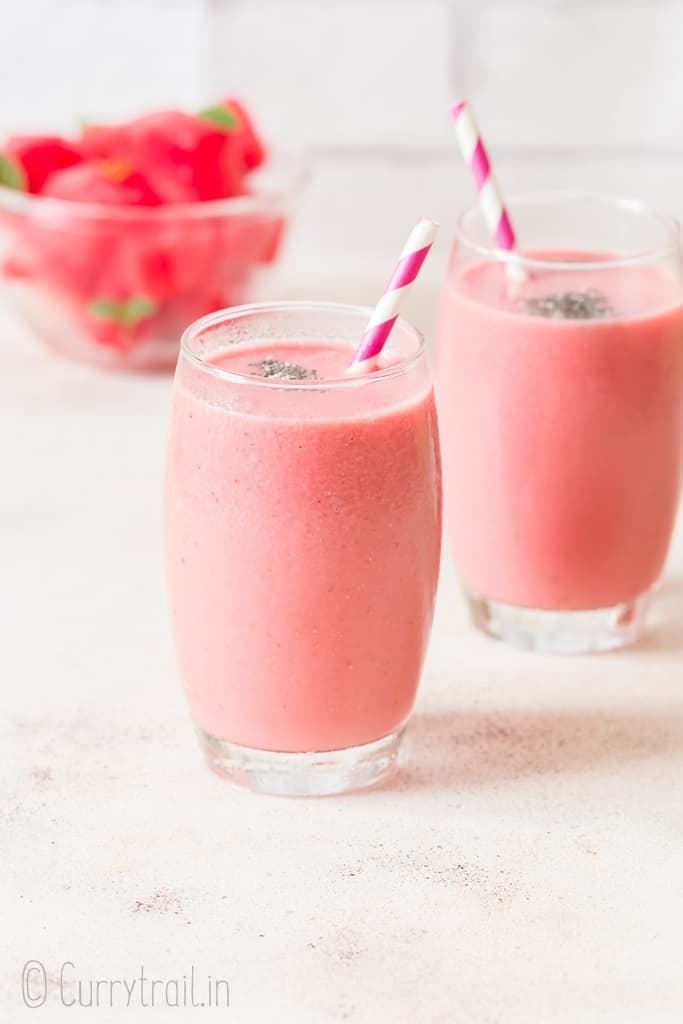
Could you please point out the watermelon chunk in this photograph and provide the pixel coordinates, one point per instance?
(40, 156)
(181, 155)
(186, 157)
(232, 117)
(102, 181)
(119, 323)
(64, 258)
(102, 141)
(182, 257)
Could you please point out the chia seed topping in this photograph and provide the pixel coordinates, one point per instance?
(588, 305)
(270, 367)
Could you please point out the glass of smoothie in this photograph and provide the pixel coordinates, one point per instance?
(560, 398)
(303, 524)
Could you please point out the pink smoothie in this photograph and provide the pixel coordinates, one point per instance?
(561, 438)
(303, 537)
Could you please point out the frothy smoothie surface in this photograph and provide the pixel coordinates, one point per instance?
(561, 419)
(303, 534)
(289, 361)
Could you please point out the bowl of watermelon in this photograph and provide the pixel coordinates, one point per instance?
(113, 241)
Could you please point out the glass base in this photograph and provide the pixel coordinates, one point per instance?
(317, 774)
(549, 632)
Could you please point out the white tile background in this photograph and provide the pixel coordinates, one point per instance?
(571, 92)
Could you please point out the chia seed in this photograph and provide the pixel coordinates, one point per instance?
(270, 367)
(588, 305)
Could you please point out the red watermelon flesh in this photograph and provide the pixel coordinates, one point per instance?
(191, 157)
(103, 141)
(182, 155)
(40, 156)
(65, 255)
(243, 133)
(113, 182)
(181, 256)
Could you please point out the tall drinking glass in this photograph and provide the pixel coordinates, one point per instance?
(303, 523)
(560, 398)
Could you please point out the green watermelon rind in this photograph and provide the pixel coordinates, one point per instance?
(221, 117)
(12, 174)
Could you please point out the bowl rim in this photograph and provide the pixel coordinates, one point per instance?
(288, 170)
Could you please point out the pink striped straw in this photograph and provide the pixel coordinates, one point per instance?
(386, 311)
(490, 198)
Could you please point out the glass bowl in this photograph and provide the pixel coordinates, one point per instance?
(117, 285)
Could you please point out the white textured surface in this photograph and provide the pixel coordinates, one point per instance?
(525, 866)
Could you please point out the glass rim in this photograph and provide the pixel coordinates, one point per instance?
(543, 196)
(288, 171)
(193, 330)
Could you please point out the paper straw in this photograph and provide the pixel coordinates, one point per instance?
(386, 311)
(490, 199)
